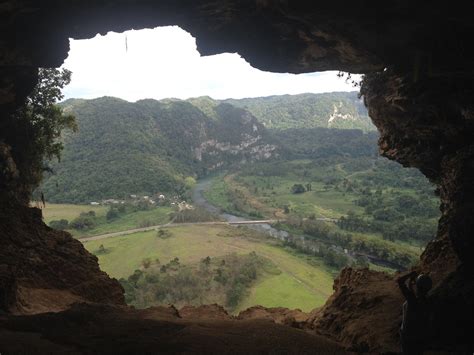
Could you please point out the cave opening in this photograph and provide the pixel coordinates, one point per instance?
(421, 105)
(371, 220)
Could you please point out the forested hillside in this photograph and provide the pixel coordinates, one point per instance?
(151, 146)
(329, 110)
(148, 147)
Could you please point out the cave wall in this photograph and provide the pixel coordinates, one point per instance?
(418, 86)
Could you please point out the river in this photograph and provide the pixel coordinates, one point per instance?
(305, 242)
(200, 200)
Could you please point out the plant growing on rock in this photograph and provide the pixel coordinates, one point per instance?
(36, 128)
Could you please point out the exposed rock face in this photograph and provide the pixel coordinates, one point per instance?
(364, 313)
(422, 105)
(42, 269)
(429, 124)
(213, 311)
(291, 317)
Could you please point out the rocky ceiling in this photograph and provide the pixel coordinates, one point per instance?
(418, 89)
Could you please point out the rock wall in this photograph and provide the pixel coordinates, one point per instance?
(424, 123)
(42, 269)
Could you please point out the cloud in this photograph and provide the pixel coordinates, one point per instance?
(164, 62)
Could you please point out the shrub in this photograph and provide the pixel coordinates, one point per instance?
(298, 189)
(101, 250)
(163, 233)
(82, 223)
(146, 263)
(62, 224)
(112, 214)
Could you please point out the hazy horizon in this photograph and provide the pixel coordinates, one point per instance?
(197, 97)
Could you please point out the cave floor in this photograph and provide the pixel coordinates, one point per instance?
(93, 328)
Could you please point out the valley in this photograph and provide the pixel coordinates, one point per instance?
(158, 201)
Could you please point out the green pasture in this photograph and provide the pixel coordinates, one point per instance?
(159, 215)
(299, 284)
(57, 211)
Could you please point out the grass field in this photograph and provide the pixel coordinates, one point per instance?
(131, 220)
(279, 291)
(320, 202)
(159, 215)
(54, 211)
(300, 284)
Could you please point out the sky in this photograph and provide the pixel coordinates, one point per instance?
(164, 62)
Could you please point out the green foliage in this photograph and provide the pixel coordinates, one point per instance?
(151, 147)
(377, 200)
(189, 182)
(324, 144)
(164, 233)
(61, 224)
(227, 278)
(143, 148)
(292, 279)
(129, 217)
(36, 128)
(308, 111)
(112, 213)
(193, 215)
(83, 222)
(298, 189)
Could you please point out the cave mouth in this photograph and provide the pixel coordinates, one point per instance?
(422, 106)
(120, 63)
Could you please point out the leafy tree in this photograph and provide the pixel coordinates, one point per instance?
(189, 182)
(61, 224)
(37, 128)
(83, 222)
(112, 214)
(298, 189)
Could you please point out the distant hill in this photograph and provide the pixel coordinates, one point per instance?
(329, 110)
(151, 146)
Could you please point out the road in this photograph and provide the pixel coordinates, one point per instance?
(168, 225)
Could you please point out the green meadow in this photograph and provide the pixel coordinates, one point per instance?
(298, 283)
(57, 211)
(126, 221)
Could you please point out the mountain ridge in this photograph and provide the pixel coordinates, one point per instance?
(152, 146)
